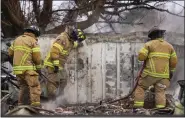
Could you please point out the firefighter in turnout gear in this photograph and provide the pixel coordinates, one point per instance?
(57, 57)
(161, 61)
(27, 64)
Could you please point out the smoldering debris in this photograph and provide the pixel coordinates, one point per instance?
(105, 107)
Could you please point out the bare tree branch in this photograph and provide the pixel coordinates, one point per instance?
(163, 10)
(18, 18)
(178, 4)
(36, 10)
(32, 11)
(93, 18)
(45, 15)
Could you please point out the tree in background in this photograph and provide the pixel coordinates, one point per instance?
(17, 14)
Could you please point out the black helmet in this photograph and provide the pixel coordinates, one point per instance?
(33, 29)
(155, 32)
(78, 35)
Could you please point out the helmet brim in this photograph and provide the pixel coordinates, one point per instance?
(156, 31)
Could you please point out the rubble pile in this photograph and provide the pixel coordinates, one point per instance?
(122, 107)
(104, 107)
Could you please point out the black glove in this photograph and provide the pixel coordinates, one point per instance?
(39, 72)
(56, 68)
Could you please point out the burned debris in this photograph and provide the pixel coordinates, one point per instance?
(121, 107)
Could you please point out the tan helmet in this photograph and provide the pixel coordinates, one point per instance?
(155, 30)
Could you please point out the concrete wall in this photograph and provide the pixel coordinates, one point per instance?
(105, 66)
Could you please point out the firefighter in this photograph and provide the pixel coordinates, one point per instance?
(161, 61)
(27, 64)
(57, 57)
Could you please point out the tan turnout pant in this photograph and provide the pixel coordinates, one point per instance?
(54, 83)
(160, 85)
(29, 81)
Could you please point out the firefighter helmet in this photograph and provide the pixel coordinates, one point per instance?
(154, 31)
(78, 35)
(33, 29)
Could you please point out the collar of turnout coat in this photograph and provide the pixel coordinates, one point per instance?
(30, 34)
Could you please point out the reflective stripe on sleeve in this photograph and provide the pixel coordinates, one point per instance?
(37, 49)
(144, 51)
(173, 54)
(172, 69)
(39, 66)
(58, 46)
(56, 62)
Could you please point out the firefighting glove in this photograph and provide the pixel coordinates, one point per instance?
(56, 68)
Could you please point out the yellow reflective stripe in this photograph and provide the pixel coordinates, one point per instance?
(79, 30)
(17, 72)
(173, 54)
(172, 69)
(37, 49)
(82, 36)
(160, 106)
(138, 104)
(75, 44)
(11, 47)
(48, 64)
(64, 52)
(56, 62)
(144, 51)
(51, 65)
(80, 33)
(35, 103)
(58, 46)
(152, 65)
(39, 66)
(47, 57)
(158, 54)
(24, 68)
(166, 68)
(156, 74)
(22, 48)
(24, 58)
